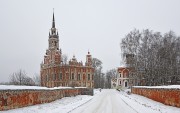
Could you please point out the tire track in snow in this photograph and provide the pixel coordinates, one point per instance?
(129, 105)
(108, 101)
(79, 105)
(120, 105)
(82, 104)
(140, 103)
(99, 106)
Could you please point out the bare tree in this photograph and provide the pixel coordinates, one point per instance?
(64, 58)
(20, 78)
(98, 75)
(156, 56)
(109, 75)
(102, 81)
(37, 79)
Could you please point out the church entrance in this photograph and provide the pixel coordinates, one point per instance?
(126, 84)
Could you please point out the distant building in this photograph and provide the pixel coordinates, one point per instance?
(122, 79)
(55, 73)
(126, 74)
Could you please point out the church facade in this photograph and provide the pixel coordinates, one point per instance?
(54, 72)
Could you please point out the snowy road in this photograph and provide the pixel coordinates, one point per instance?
(108, 101)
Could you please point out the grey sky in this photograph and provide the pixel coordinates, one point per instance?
(97, 25)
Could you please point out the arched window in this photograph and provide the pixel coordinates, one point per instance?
(60, 76)
(47, 78)
(125, 75)
(72, 76)
(79, 77)
(89, 76)
(54, 76)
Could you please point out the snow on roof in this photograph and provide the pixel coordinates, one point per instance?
(13, 87)
(123, 65)
(160, 87)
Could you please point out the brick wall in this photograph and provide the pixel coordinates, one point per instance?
(11, 99)
(166, 96)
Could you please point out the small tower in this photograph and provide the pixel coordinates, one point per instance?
(88, 59)
(74, 59)
(129, 60)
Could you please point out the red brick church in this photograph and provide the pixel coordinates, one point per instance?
(55, 73)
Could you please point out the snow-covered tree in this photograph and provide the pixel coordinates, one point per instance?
(156, 56)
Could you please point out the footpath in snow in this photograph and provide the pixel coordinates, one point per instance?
(107, 101)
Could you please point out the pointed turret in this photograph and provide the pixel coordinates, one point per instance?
(53, 22)
(53, 30)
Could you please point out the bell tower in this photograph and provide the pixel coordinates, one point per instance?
(53, 36)
(53, 53)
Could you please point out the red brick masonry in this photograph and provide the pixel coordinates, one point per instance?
(11, 99)
(166, 96)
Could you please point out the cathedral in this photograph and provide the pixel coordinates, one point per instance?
(54, 72)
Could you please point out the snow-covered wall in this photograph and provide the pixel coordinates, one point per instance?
(16, 98)
(168, 95)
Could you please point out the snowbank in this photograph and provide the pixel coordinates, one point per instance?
(13, 87)
(163, 87)
(168, 95)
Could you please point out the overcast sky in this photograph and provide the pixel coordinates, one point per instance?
(97, 25)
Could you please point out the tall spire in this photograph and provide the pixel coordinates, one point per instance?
(53, 22)
(53, 30)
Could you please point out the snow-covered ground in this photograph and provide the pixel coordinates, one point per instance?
(14, 87)
(106, 101)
